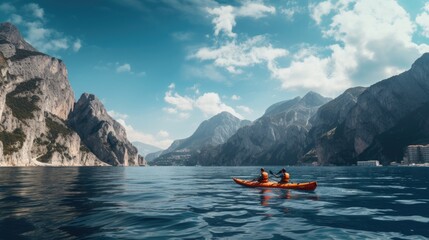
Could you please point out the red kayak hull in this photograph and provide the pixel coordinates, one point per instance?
(307, 186)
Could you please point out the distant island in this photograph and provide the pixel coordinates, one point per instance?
(43, 125)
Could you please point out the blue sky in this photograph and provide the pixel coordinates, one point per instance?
(161, 67)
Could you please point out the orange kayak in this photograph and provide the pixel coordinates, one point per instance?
(308, 186)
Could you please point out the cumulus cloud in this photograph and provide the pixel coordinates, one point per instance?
(422, 20)
(291, 10)
(163, 134)
(232, 56)
(77, 45)
(123, 68)
(7, 8)
(117, 115)
(208, 103)
(235, 97)
(244, 109)
(35, 10)
(32, 22)
(373, 40)
(224, 16)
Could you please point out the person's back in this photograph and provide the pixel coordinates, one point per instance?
(264, 176)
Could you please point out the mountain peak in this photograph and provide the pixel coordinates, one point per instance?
(314, 99)
(11, 34)
(422, 62)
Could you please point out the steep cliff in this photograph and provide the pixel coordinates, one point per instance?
(35, 101)
(105, 137)
(379, 109)
(278, 137)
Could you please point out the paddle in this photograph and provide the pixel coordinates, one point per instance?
(273, 174)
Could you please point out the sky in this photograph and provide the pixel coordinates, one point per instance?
(161, 67)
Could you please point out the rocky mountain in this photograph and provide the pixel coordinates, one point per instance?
(144, 149)
(35, 102)
(104, 136)
(382, 111)
(209, 133)
(284, 125)
(328, 117)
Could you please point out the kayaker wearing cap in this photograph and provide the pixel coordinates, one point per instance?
(284, 176)
(263, 178)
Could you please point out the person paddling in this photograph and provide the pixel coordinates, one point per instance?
(284, 176)
(263, 178)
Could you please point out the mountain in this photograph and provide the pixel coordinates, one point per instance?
(36, 100)
(284, 125)
(104, 136)
(382, 113)
(209, 133)
(144, 149)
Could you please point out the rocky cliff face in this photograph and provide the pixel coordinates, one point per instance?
(284, 126)
(105, 137)
(379, 109)
(210, 133)
(35, 100)
(327, 118)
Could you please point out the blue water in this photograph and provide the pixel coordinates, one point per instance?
(203, 202)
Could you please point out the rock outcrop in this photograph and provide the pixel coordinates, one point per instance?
(278, 137)
(36, 100)
(104, 136)
(380, 109)
(209, 133)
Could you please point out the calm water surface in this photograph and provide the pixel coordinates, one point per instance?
(203, 202)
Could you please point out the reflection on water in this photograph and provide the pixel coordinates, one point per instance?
(186, 202)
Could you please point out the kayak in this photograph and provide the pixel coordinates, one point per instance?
(308, 186)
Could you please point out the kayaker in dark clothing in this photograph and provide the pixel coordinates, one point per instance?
(263, 178)
(284, 176)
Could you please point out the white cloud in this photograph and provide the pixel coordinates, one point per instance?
(291, 10)
(160, 140)
(171, 86)
(117, 115)
(235, 97)
(373, 39)
(209, 104)
(163, 134)
(77, 45)
(233, 56)
(224, 16)
(123, 68)
(7, 8)
(423, 20)
(224, 20)
(15, 19)
(255, 10)
(34, 8)
(32, 23)
(179, 102)
(245, 109)
(135, 135)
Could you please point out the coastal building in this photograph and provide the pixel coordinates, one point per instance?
(373, 163)
(417, 154)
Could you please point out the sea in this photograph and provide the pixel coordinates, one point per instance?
(204, 203)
